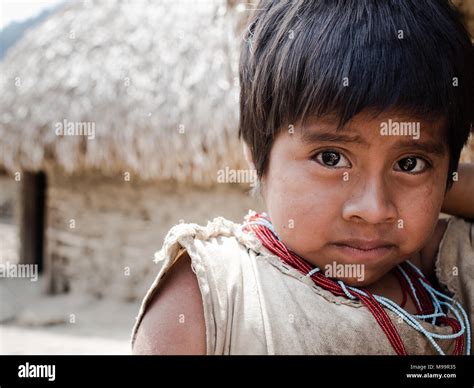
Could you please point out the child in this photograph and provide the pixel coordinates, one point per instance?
(354, 114)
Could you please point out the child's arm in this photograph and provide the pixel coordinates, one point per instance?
(174, 321)
(459, 200)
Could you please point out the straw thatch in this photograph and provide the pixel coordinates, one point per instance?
(155, 79)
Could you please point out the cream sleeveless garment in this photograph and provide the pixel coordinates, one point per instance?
(256, 304)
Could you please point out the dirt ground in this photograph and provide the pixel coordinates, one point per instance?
(32, 322)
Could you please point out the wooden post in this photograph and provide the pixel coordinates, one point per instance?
(32, 218)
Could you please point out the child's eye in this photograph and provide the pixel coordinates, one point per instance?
(411, 164)
(332, 159)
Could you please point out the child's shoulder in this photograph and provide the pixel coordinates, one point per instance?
(219, 238)
(175, 311)
(454, 261)
(201, 269)
(451, 236)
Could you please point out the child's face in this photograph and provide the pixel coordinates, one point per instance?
(374, 201)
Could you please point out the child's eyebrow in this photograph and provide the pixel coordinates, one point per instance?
(430, 147)
(309, 137)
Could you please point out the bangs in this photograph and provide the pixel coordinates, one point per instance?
(343, 59)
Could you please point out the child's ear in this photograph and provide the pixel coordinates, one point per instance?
(248, 156)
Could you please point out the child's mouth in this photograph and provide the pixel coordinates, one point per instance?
(359, 249)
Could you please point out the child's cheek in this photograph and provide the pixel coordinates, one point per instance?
(419, 214)
(304, 218)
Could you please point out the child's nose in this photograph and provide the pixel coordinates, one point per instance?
(370, 202)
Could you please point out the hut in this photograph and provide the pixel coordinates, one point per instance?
(119, 120)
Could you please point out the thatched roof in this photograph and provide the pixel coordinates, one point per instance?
(156, 80)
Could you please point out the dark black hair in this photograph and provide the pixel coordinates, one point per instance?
(411, 55)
